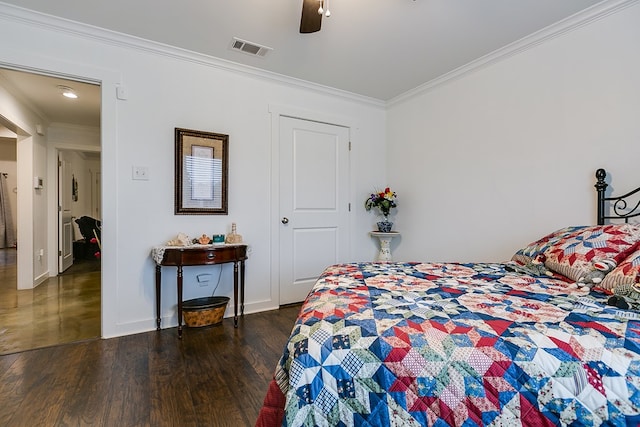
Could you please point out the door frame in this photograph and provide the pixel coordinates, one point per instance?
(108, 79)
(63, 176)
(24, 234)
(278, 111)
(53, 149)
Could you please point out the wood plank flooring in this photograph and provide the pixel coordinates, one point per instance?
(214, 376)
(63, 309)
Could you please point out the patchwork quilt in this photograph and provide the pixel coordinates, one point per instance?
(432, 344)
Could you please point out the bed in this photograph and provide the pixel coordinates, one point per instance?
(533, 341)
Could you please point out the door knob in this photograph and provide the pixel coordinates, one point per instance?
(285, 220)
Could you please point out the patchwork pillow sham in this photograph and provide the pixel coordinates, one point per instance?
(627, 272)
(531, 252)
(574, 256)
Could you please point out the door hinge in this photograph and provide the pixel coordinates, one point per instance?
(59, 208)
(349, 207)
(349, 145)
(59, 253)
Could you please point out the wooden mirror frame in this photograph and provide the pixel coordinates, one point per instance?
(201, 175)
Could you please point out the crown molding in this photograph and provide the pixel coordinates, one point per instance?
(571, 23)
(53, 23)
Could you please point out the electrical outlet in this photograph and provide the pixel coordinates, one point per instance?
(140, 173)
(203, 279)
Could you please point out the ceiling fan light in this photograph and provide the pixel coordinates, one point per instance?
(311, 17)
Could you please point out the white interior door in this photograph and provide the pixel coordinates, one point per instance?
(314, 203)
(65, 227)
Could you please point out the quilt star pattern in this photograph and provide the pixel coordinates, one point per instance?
(452, 344)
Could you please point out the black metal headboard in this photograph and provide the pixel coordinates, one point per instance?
(618, 206)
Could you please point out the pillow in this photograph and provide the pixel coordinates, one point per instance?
(527, 254)
(574, 256)
(628, 271)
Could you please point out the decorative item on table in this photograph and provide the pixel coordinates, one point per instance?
(233, 237)
(384, 201)
(218, 238)
(203, 240)
(180, 240)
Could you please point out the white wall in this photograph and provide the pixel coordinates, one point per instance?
(482, 164)
(39, 211)
(181, 90)
(488, 162)
(8, 165)
(80, 170)
(31, 203)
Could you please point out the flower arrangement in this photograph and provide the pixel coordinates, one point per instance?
(383, 200)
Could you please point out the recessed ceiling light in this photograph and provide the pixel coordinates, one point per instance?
(67, 92)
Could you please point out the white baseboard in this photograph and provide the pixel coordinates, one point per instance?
(171, 320)
(41, 279)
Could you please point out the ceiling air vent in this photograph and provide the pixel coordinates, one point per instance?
(249, 48)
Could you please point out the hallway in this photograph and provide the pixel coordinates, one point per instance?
(64, 309)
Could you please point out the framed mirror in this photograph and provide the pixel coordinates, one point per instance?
(201, 161)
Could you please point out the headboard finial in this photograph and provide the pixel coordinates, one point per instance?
(601, 186)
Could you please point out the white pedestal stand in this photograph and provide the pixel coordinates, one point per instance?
(385, 244)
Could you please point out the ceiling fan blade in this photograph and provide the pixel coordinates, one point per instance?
(311, 20)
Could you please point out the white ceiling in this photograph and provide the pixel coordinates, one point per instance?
(42, 95)
(375, 48)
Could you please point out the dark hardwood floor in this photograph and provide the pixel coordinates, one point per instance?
(214, 376)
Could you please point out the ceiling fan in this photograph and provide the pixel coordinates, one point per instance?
(312, 11)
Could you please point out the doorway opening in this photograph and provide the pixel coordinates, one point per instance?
(42, 304)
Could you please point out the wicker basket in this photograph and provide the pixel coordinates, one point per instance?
(204, 311)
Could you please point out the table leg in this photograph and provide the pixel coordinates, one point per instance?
(179, 283)
(158, 282)
(235, 294)
(242, 288)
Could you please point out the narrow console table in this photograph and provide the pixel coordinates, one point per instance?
(181, 256)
